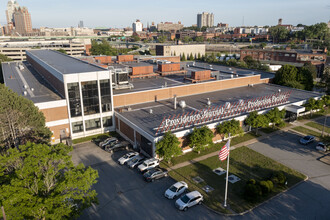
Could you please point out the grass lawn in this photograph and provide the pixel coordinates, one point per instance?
(318, 126)
(244, 163)
(215, 147)
(97, 136)
(307, 131)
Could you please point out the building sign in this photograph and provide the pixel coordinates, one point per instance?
(214, 113)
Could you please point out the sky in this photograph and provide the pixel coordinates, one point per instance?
(117, 13)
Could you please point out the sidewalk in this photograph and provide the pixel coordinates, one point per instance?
(263, 136)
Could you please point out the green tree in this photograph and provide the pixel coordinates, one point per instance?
(276, 116)
(263, 45)
(168, 146)
(187, 39)
(62, 51)
(279, 33)
(305, 77)
(135, 38)
(287, 76)
(251, 63)
(191, 57)
(183, 57)
(174, 53)
(199, 39)
(3, 58)
(311, 105)
(211, 58)
(161, 39)
(102, 48)
(201, 138)
(232, 127)
(326, 79)
(199, 56)
(40, 182)
(257, 121)
(20, 120)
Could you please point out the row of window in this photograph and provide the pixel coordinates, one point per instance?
(268, 54)
(90, 97)
(91, 124)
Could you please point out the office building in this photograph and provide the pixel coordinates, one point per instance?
(137, 26)
(205, 20)
(22, 18)
(179, 50)
(169, 26)
(12, 5)
(81, 24)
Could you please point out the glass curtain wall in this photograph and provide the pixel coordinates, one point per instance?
(74, 99)
(93, 124)
(107, 121)
(105, 95)
(90, 97)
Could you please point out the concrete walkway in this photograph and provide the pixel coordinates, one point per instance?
(263, 136)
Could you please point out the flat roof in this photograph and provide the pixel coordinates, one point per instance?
(137, 64)
(37, 89)
(140, 115)
(64, 63)
(178, 79)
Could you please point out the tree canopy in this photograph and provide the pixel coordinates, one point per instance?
(279, 33)
(326, 79)
(257, 121)
(40, 182)
(233, 127)
(161, 39)
(3, 58)
(20, 120)
(276, 116)
(168, 146)
(201, 138)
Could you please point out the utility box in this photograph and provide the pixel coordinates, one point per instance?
(201, 75)
(168, 67)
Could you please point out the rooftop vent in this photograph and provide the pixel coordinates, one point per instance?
(208, 102)
(151, 111)
(251, 85)
(182, 104)
(25, 93)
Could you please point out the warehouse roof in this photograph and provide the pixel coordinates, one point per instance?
(64, 63)
(140, 114)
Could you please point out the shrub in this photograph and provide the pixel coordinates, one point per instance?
(266, 186)
(278, 178)
(252, 181)
(270, 185)
(252, 192)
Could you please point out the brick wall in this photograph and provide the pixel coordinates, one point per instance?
(126, 130)
(55, 114)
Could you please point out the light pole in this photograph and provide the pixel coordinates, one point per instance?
(325, 122)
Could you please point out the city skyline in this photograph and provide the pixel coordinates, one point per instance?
(110, 14)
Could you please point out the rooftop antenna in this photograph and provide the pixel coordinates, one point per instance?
(243, 22)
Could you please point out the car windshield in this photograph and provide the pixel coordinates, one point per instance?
(150, 172)
(126, 156)
(145, 164)
(185, 199)
(173, 188)
(135, 160)
(307, 138)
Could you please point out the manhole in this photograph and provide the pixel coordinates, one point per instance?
(219, 171)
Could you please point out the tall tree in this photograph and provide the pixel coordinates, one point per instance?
(168, 146)
(276, 116)
(311, 105)
(183, 57)
(20, 120)
(233, 127)
(201, 138)
(279, 33)
(40, 182)
(287, 76)
(257, 121)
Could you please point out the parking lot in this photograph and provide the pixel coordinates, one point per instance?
(123, 193)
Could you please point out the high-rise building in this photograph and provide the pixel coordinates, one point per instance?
(137, 26)
(81, 24)
(205, 20)
(11, 7)
(22, 18)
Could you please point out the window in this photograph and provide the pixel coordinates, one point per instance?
(74, 99)
(92, 124)
(77, 127)
(105, 95)
(90, 97)
(286, 55)
(107, 121)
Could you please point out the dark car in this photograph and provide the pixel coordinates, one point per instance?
(307, 139)
(108, 142)
(155, 173)
(117, 146)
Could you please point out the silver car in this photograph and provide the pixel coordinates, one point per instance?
(189, 200)
(136, 161)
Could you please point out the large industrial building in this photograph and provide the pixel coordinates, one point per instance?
(80, 99)
(179, 50)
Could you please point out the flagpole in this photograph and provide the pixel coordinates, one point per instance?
(225, 203)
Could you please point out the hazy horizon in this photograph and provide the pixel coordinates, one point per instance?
(102, 13)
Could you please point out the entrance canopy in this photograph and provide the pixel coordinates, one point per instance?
(294, 109)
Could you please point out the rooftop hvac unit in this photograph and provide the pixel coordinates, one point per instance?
(122, 77)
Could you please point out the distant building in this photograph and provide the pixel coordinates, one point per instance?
(288, 56)
(222, 25)
(169, 26)
(137, 26)
(205, 20)
(23, 24)
(11, 7)
(153, 27)
(81, 24)
(328, 24)
(179, 50)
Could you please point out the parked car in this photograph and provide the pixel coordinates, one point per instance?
(307, 139)
(176, 189)
(148, 164)
(188, 200)
(118, 146)
(136, 161)
(154, 174)
(127, 157)
(107, 142)
(322, 147)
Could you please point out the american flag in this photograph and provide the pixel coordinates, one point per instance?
(224, 151)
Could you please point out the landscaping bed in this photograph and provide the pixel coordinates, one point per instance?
(245, 164)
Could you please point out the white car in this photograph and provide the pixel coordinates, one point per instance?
(321, 147)
(189, 200)
(127, 157)
(148, 164)
(176, 189)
